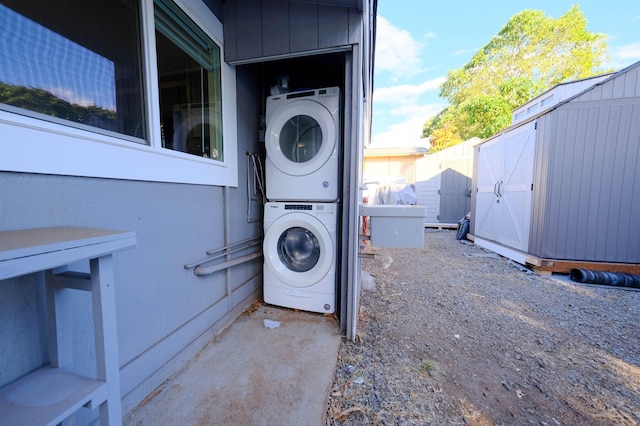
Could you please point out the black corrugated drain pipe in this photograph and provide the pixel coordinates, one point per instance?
(617, 279)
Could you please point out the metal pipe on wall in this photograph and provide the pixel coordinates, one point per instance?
(208, 270)
(228, 249)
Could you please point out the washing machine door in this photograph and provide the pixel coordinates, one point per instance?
(301, 137)
(298, 249)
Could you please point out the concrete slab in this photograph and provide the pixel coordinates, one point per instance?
(252, 375)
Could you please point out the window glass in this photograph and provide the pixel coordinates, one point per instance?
(74, 62)
(298, 249)
(189, 80)
(301, 138)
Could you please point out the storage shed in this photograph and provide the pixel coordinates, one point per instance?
(561, 188)
(443, 183)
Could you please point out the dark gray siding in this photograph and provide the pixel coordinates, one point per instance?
(255, 29)
(588, 204)
(216, 6)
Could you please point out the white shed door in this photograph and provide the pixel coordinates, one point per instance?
(505, 185)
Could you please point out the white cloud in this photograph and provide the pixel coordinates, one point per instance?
(396, 50)
(623, 56)
(405, 92)
(398, 56)
(407, 132)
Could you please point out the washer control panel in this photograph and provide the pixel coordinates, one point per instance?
(318, 209)
(298, 207)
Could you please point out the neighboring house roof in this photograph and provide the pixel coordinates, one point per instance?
(396, 151)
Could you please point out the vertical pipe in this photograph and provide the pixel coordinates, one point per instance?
(227, 234)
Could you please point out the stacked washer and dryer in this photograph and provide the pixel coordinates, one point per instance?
(302, 186)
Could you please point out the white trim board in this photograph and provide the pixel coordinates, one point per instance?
(508, 252)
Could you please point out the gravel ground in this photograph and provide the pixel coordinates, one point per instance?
(453, 334)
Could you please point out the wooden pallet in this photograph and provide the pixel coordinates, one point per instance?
(549, 266)
(441, 225)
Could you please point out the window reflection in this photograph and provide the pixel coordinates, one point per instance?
(74, 62)
(190, 84)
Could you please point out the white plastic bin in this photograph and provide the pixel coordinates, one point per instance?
(395, 225)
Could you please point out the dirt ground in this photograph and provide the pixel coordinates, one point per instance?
(453, 334)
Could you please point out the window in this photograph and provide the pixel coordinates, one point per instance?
(123, 89)
(82, 72)
(189, 80)
(546, 101)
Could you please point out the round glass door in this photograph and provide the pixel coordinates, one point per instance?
(300, 138)
(298, 249)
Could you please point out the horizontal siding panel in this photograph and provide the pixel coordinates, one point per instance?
(303, 25)
(275, 28)
(248, 33)
(256, 29)
(355, 26)
(229, 31)
(333, 26)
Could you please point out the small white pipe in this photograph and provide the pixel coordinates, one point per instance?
(208, 270)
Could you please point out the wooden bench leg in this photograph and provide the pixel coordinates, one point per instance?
(107, 358)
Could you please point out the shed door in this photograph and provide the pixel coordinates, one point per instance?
(455, 201)
(505, 185)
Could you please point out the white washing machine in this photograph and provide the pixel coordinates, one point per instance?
(300, 255)
(302, 142)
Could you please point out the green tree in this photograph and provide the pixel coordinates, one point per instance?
(530, 54)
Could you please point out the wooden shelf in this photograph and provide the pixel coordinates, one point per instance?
(38, 249)
(51, 394)
(48, 396)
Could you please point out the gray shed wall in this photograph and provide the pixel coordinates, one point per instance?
(165, 313)
(587, 199)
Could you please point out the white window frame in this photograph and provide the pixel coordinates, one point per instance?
(32, 145)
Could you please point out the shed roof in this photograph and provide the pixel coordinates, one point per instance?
(565, 101)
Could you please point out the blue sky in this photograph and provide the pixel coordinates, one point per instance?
(419, 41)
(36, 57)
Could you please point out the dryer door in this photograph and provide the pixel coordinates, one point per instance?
(301, 137)
(298, 249)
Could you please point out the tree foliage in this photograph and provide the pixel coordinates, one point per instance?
(44, 102)
(531, 54)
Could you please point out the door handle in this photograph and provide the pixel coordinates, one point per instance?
(499, 185)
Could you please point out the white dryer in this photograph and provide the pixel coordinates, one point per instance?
(302, 142)
(300, 255)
